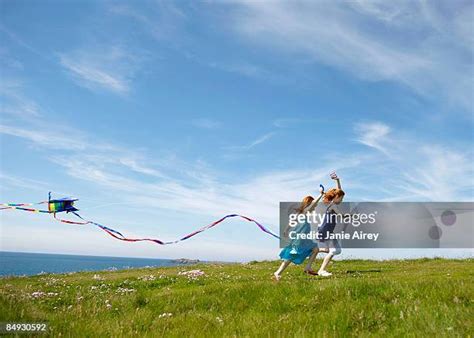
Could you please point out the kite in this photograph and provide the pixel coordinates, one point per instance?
(67, 205)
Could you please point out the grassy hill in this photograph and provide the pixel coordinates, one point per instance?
(394, 298)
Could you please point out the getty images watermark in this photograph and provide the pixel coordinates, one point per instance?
(382, 225)
(317, 219)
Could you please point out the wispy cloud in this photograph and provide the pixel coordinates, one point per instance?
(415, 170)
(140, 168)
(373, 134)
(112, 69)
(15, 103)
(412, 43)
(254, 143)
(50, 139)
(440, 174)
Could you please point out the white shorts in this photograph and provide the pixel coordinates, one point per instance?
(332, 245)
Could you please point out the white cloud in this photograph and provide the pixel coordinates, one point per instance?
(111, 68)
(373, 134)
(140, 168)
(439, 174)
(15, 103)
(254, 143)
(50, 139)
(410, 169)
(423, 45)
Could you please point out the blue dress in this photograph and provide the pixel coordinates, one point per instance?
(327, 228)
(299, 249)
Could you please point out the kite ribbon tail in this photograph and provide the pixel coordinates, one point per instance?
(221, 220)
(71, 222)
(204, 228)
(117, 235)
(21, 204)
(268, 231)
(26, 209)
(121, 237)
(114, 233)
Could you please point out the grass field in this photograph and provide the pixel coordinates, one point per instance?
(391, 298)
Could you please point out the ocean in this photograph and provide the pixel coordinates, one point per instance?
(21, 263)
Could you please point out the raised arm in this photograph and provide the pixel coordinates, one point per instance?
(316, 201)
(337, 179)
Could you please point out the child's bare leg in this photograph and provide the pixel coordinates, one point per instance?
(326, 261)
(311, 259)
(333, 251)
(282, 268)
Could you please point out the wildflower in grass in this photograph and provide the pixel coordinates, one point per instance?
(219, 319)
(41, 294)
(165, 315)
(97, 277)
(147, 278)
(124, 290)
(192, 274)
(37, 294)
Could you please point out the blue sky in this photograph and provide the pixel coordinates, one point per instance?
(163, 116)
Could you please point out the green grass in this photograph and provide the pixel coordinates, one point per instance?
(391, 298)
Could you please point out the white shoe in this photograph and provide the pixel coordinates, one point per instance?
(276, 277)
(324, 273)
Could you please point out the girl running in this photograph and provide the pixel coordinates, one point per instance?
(299, 249)
(331, 199)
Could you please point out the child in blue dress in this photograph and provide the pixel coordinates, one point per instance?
(298, 249)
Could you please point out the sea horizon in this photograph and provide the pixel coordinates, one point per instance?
(14, 263)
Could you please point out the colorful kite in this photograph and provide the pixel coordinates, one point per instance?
(67, 205)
